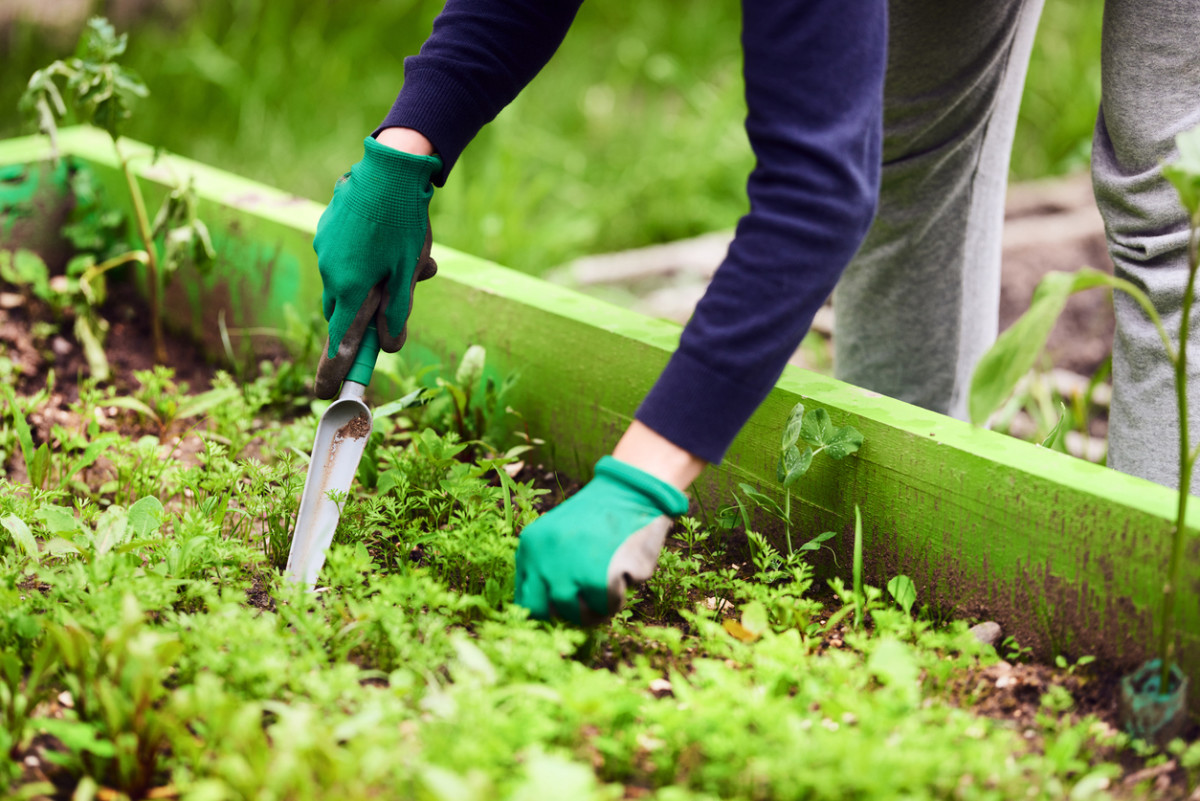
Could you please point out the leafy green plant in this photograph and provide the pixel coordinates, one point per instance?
(816, 433)
(1017, 348)
(114, 731)
(41, 461)
(903, 592)
(102, 92)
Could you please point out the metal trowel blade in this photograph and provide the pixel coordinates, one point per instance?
(342, 436)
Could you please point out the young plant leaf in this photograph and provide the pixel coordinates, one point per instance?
(57, 519)
(24, 435)
(21, 535)
(1017, 349)
(195, 405)
(859, 597)
(762, 500)
(845, 441)
(793, 464)
(145, 517)
(738, 631)
(903, 591)
(39, 467)
(111, 529)
(791, 430)
(815, 543)
(1054, 438)
(817, 428)
(1184, 172)
(754, 618)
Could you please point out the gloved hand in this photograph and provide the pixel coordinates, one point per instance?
(577, 560)
(375, 231)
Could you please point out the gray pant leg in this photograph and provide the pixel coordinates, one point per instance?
(919, 304)
(1151, 92)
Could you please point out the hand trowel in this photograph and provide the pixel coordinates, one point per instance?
(342, 435)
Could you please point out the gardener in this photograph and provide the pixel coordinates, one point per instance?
(814, 84)
(919, 304)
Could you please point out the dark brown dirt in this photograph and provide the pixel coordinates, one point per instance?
(128, 345)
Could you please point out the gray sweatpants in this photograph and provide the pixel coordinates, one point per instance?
(919, 304)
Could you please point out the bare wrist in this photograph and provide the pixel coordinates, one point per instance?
(647, 450)
(405, 140)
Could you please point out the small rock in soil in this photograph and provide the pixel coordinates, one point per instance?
(987, 633)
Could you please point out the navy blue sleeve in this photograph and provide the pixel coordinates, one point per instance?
(481, 54)
(814, 91)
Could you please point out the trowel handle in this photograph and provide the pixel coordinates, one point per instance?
(364, 360)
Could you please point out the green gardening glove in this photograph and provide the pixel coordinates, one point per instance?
(577, 560)
(375, 231)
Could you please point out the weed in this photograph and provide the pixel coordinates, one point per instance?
(103, 92)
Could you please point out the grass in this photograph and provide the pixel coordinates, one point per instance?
(632, 135)
(149, 646)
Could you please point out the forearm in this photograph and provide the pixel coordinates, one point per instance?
(814, 91)
(480, 55)
(406, 140)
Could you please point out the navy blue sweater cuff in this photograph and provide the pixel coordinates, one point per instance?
(699, 409)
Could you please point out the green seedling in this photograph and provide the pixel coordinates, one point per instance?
(102, 92)
(903, 592)
(1062, 663)
(816, 433)
(1017, 349)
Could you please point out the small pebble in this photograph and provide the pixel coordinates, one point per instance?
(60, 346)
(660, 688)
(987, 633)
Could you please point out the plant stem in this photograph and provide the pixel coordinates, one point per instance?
(143, 224)
(787, 517)
(1186, 462)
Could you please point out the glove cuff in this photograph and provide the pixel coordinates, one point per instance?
(666, 498)
(391, 187)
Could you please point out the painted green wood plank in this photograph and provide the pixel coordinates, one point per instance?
(1067, 555)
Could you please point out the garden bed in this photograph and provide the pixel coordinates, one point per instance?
(727, 677)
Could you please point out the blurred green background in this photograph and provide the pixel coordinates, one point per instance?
(632, 135)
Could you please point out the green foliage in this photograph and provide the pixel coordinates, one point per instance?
(152, 643)
(1017, 348)
(102, 93)
(1184, 173)
(816, 432)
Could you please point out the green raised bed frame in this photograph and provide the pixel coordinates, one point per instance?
(1069, 557)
